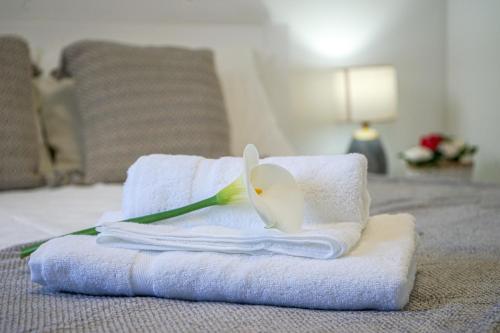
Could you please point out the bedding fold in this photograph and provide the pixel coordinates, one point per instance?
(377, 274)
(336, 207)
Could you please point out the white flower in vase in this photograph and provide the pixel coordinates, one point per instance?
(451, 149)
(418, 154)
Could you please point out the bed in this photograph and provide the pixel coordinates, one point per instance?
(456, 289)
(457, 285)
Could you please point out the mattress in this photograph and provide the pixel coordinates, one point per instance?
(457, 285)
(28, 215)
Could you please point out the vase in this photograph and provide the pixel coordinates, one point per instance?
(444, 170)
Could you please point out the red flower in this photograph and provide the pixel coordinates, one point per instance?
(431, 141)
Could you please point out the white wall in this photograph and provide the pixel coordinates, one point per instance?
(143, 11)
(474, 80)
(325, 34)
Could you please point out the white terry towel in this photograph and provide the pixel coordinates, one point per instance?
(377, 274)
(334, 188)
(330, 241)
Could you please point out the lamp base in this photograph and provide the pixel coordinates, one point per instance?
(373, 151)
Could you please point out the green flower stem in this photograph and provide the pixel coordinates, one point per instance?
(212, 201)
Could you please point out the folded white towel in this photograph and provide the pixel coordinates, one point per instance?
(334, 189)
(330, 241)
(378, 273)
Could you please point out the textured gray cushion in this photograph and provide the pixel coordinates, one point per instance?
(19, 145)
(142, 100)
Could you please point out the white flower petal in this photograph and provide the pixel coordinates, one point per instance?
(418, 154)
(251, 160)
(251, 157)
(279, 202)
(451, 149)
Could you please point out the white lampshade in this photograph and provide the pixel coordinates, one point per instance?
(366, 94)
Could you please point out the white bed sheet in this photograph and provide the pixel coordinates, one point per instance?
(29, 215)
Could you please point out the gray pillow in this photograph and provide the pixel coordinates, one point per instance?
(19, 145)
(142, 100)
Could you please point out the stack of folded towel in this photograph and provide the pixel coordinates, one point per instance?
(335, 194)
(341, 260)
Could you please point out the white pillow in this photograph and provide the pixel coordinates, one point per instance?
(62, 125)
(250, 113)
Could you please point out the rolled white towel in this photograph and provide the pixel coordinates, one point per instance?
(334, 189)
(377, 274)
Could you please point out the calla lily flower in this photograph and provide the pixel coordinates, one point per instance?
(273, 193)
(270, 189)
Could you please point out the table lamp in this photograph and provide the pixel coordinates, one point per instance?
(365, 95)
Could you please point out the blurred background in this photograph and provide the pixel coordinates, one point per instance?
(446, 56)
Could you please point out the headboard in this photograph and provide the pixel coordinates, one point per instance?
(47, 38)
